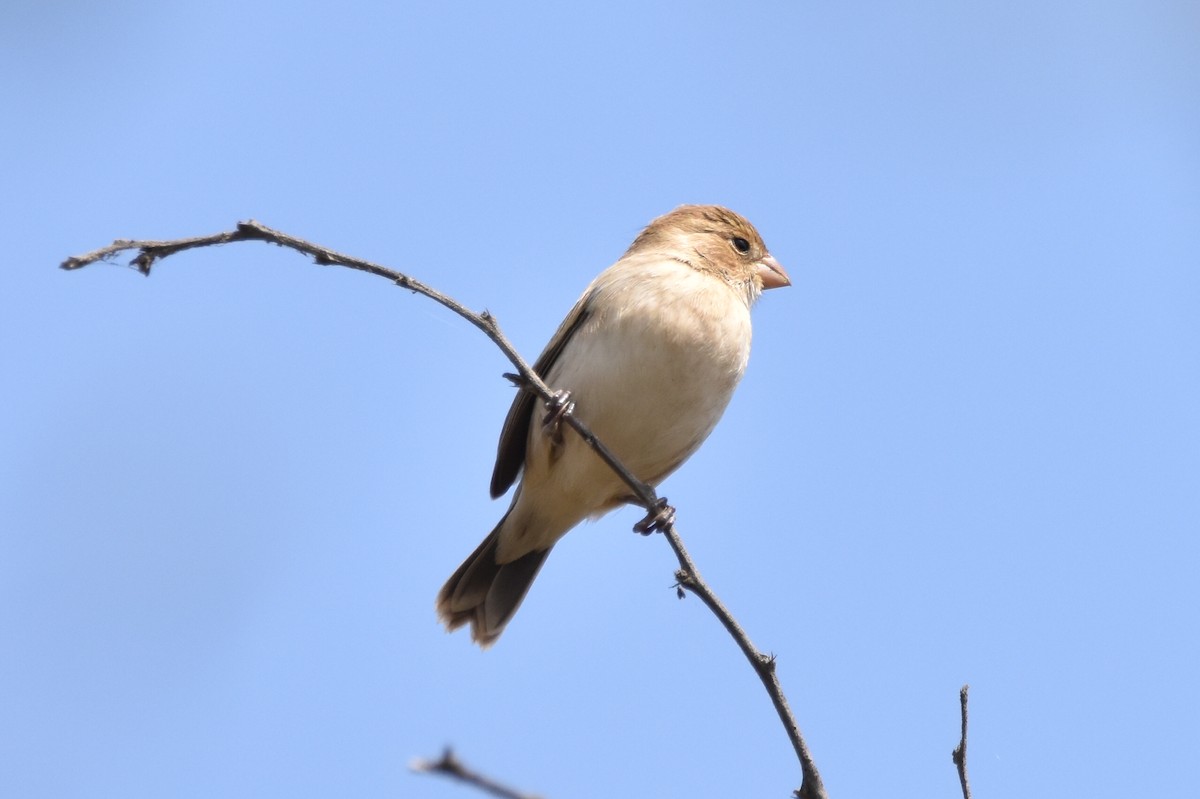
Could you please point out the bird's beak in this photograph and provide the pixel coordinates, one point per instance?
(772, 274)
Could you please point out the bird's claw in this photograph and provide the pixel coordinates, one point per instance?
(657, 518)
(558, 407)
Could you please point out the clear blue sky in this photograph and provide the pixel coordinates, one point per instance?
(967, 449)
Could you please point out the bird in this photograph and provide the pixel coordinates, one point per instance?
(650, 355)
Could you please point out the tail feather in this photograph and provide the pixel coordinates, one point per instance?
(487, 593)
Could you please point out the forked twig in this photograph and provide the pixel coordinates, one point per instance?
(149, 252)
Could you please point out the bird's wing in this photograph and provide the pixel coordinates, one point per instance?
(510, 454)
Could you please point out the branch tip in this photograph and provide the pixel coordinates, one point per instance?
(448, 765)
(959, 755)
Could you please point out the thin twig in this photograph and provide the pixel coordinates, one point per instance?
(448, 765)
(763, 664)
(151, 251)
(960, 751)
(148, 252)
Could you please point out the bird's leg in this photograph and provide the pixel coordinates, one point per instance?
(558, 407)
(659, 516)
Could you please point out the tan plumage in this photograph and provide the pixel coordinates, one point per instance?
(651, 354)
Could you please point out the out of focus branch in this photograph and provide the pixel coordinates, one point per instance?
(448, 765)
(149, 252)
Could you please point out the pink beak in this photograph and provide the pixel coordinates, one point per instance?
(772, 274)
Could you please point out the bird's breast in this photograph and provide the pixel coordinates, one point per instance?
(654, 368)
(651, 371)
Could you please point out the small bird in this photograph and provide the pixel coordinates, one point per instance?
(650, 354)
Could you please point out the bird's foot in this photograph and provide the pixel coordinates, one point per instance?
(657, 518)
(558, 407)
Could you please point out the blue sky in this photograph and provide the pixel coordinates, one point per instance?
(967, 449)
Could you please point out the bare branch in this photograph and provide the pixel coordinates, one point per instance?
(960, 751)
(660, 516)
(149, 252)
(448, 765)
(763, 664)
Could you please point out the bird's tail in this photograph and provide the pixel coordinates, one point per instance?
(486, 593)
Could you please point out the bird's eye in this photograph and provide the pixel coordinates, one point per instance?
(740, 244)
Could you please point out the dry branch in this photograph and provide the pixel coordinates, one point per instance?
(448, 765)
(960, 751)
(661, 516)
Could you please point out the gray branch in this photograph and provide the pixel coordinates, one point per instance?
(688, 576)
(960, 751)
(448, 765)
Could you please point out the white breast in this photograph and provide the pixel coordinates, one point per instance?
(651, 372)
